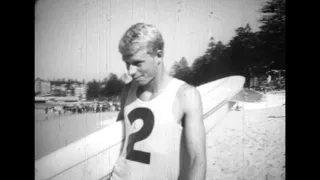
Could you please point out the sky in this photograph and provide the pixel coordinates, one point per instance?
(79, 39)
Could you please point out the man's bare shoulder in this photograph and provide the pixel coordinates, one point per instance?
(188, 96)
(186, 90)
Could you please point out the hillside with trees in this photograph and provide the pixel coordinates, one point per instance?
(248, 53)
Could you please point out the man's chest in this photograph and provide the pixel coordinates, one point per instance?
(142, 116)
(145, 96)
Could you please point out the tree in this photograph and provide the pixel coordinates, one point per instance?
(181, 70)
(272, 32)
(215, 49)
(248, 53)
(113, 86)
(274, 17)
(199, 68)
(212, 65)
(243, 48)
(93, 90)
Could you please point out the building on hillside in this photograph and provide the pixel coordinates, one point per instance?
(74, 85)
(77, 91)
(277, 74)
(61, 88)
(42, 87)
(69, 93)
(81, 91)
(84, 91)
(45, 87)
(37, 85)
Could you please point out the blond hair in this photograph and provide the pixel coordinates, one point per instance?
(140, 36)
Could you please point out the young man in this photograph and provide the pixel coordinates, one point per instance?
(164, 131)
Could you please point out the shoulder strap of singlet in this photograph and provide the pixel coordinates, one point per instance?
(173, 90)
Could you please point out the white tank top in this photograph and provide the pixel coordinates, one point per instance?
(151, 148)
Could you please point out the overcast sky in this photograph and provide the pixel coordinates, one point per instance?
(79, 39)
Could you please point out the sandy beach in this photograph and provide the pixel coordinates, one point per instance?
(249, 144)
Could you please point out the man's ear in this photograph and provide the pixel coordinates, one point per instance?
(159, 56)
(159, 53)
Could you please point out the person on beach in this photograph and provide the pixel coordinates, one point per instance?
(164, 130)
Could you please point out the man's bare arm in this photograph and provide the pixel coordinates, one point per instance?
(194, 132)
(123, 98)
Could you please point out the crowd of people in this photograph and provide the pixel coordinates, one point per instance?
(266, 84)
(83, 108)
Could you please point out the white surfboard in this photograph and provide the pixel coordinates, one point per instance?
(93, 157)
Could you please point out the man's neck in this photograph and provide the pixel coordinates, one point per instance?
(157, 83)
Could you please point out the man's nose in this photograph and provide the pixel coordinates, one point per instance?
(132, 70)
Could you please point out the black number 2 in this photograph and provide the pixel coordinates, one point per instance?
(148, 122)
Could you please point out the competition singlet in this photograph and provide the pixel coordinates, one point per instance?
(152, 143)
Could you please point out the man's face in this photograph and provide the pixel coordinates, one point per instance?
(142, 67)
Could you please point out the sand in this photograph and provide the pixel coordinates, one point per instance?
(248, 145)
(252, 100)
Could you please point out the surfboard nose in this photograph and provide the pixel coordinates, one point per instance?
(236, 80)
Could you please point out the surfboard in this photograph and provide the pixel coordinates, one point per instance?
(93, 157)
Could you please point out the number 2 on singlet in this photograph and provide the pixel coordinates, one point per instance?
(148, 122)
